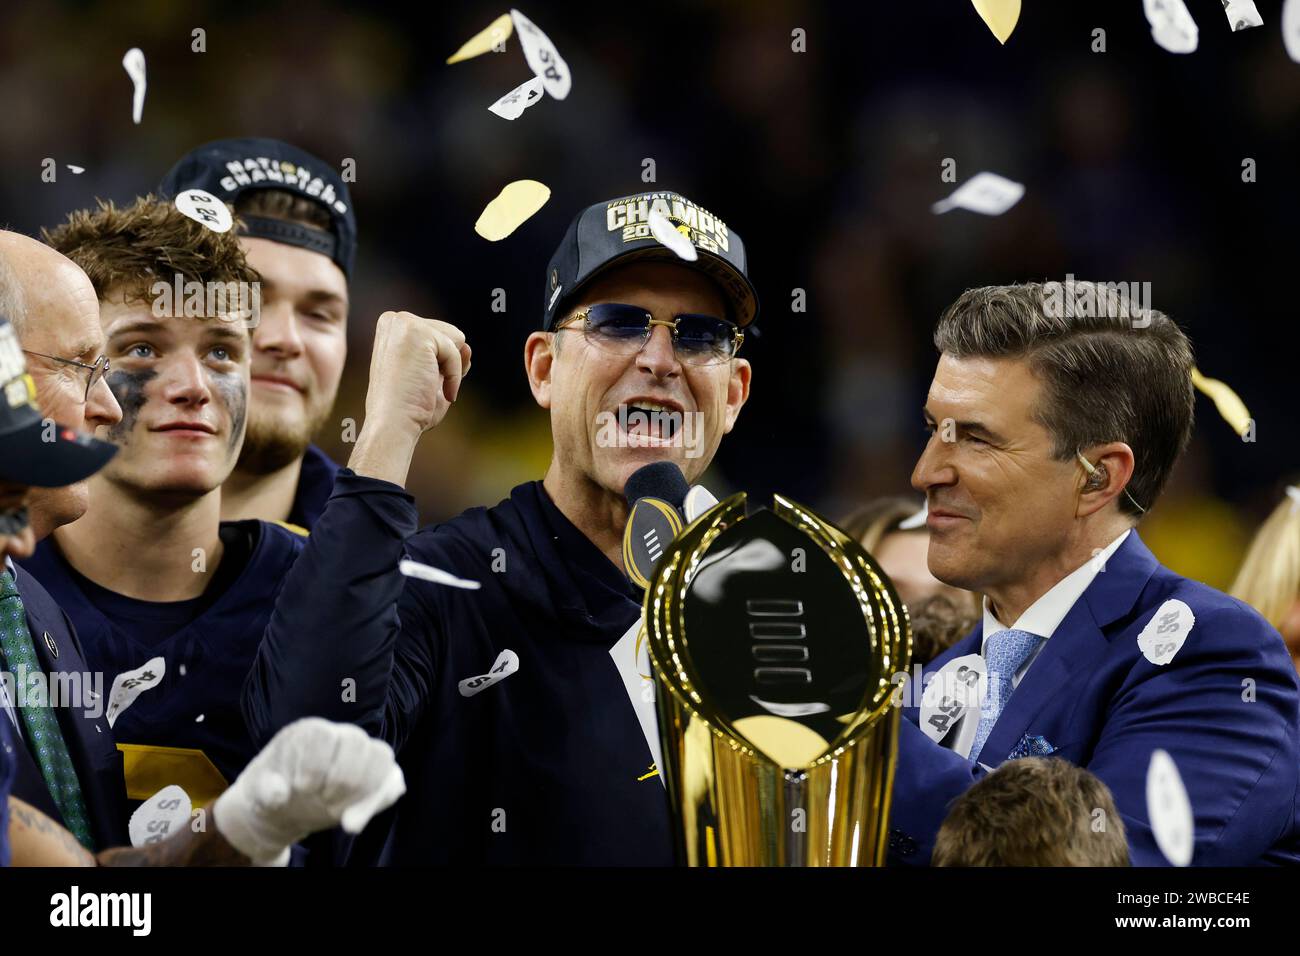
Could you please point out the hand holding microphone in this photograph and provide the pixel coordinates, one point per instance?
(661, 505)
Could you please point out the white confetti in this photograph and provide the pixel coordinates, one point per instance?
(1242, 14)
(1165, 633)
(986, 193)
(1291, 28)
(663, 230)
(414, 569)
(955, 691)
(205, 209)
(1172, 27)
(129, 685)
(1169, 810)
(75, 170)
(166, 812)
(915, 520)
(512, 105)
(199, 719)
(507, 663)
(182, 670)
(542, 56)
(698, 500)
(133, 61)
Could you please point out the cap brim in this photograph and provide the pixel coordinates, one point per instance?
(735, 285)
(29, 459)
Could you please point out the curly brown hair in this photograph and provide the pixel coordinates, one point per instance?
(127, 249)
(1034, 811)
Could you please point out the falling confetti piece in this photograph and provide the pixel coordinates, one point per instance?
(129, 685)
(205, 209)
(1242, 14)
(999, 15)
(199, 719)
(133, 61)
(414, 569)
(491, 37)
(512, 207)
(986, 193)
(542, 56)
(1291, 28)
(75, 170)
(512, 105)
(1172, 27)
(182, 670)
(1230, 406)
(916, 520)
(1169, 809)
(669, 236)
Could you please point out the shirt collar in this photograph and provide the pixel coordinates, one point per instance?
(1045, 615)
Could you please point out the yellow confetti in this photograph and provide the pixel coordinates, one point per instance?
(513, 206)
(1000, 15)
(1230, 406)
(495, 34)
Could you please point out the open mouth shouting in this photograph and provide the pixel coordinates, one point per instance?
(646, 423)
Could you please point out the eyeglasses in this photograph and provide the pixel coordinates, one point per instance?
(625, 330)
(93, 372)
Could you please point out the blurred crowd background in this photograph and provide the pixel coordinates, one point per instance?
(825, 161)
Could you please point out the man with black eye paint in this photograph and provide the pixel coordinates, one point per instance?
(170, 602)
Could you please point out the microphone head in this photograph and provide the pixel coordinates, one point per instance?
(660, 479)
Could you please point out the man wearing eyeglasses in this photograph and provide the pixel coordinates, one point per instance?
(517, 734)
(76, 778)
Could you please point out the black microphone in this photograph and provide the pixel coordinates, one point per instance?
(656, 493)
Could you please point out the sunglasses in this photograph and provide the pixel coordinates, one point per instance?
(625, 329)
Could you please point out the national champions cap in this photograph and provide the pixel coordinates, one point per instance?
(228, 168)
(618, 231)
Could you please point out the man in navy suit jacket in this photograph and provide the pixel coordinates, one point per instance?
(1057, 412)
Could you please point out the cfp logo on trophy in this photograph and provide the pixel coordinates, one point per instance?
(774, 689)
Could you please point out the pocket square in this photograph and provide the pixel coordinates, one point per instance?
(1032, 745)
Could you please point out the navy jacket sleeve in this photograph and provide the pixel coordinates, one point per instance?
(332, 642)
(1225, 712)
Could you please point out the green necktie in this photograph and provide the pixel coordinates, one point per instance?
(40, 722)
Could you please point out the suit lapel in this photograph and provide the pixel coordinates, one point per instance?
(1073, 649)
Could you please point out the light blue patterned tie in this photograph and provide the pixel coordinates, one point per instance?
(1004, 654)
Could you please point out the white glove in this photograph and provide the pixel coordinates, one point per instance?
(313, 775)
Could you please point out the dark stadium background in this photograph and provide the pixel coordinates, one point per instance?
(826, 162)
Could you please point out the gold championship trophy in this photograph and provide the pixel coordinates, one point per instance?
(772, 639)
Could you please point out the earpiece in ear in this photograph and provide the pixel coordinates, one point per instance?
(1097, 474)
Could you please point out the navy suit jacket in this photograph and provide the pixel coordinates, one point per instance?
(90, 742)
(1226, 708)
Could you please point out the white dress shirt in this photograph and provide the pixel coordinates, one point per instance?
(1045, 615)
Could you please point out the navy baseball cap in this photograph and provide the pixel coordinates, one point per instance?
(228, 168)
(618, 231)
(32, 453)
